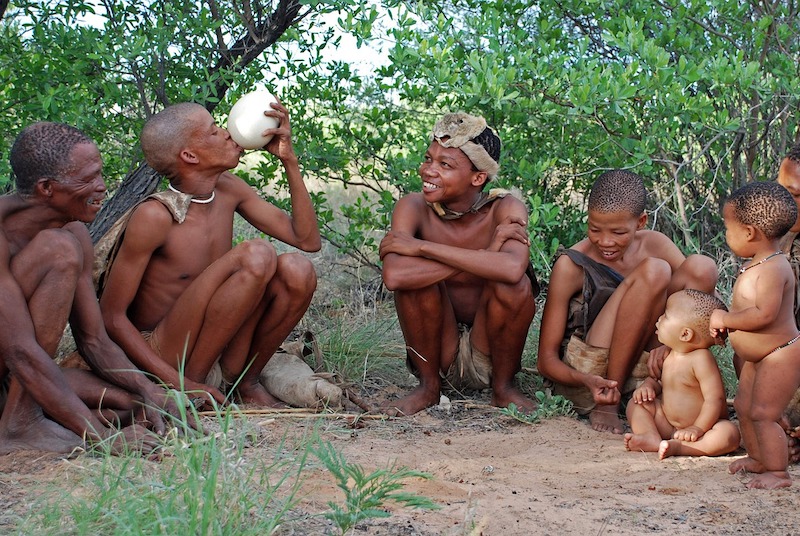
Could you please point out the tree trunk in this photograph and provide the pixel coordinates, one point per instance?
(140, 183)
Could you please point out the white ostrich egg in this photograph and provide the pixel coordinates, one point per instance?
(246, 120)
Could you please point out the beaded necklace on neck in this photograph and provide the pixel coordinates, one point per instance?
(193, 200)
(743, 269)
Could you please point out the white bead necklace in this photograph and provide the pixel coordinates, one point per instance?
(193, 200)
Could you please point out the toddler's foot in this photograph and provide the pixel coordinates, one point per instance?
(770, 480)
(746, 464)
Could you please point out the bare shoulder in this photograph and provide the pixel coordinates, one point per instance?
(409, 209)
(413, 201)
(704, 363)
(566, 276)
(150, 221)
(510, 202)
(80, 231)
(657, 244)
(231, 185)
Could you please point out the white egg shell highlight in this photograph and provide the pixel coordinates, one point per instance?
(246, 120)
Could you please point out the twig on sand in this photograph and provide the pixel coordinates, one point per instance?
(357, 400)
(295, 413)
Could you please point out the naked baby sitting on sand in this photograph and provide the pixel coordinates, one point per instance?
(683, 413)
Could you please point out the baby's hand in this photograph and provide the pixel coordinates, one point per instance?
(716, 326)
(690, 433)
(645, 393)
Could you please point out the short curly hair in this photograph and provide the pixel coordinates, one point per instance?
(767, 206)
(42, 150)
(618, 190)
(794, 153)
(698, 316)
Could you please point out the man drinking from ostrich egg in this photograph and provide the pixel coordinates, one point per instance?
(176, 296)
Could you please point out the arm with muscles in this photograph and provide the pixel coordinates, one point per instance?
(505, 260)
(713, 391)
(300, 228)
(566, 280)
(106, 358)
(145, 232)
(407, 272)
(765, 309)
(32, 366)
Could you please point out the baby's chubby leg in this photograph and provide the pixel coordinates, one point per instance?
(648, 425)
(775, 380)
(721, 439)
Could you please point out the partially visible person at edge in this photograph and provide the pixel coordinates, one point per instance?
(45, 282)
(176, 295)
(605, 294)
(761, 327)
(789, 178)
(457, 260)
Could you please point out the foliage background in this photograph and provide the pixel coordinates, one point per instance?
(697, 97)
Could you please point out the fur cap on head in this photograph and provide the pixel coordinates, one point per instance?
(470, 134)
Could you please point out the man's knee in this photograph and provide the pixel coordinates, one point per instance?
(58, 250)
(423, 302)
(298, 273)
(511, 297)
(258, 258)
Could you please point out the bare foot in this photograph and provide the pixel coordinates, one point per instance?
(415, 401)
(255, 393)
(606, 419)
(770, 480)
(746, 464)
(511, 395)
(39, 434)
(641, 442)
(669, 447)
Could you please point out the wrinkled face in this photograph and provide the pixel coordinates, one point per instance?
(789, 178)
(611, 233)
(736, 233)
(670, 325)
(211, 143)
(79, 190)
(447, 175)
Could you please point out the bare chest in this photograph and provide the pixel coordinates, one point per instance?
(473, 231)
(193, 245)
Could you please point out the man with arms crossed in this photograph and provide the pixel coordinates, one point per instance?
(457, 260)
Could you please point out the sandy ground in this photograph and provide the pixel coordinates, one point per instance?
(495, 476)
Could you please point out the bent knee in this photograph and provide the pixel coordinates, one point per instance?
(297, 272)
(700, 272)
(655, 273)
(765, 413)
(512, 295)
(60, 250)
(257, 257)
